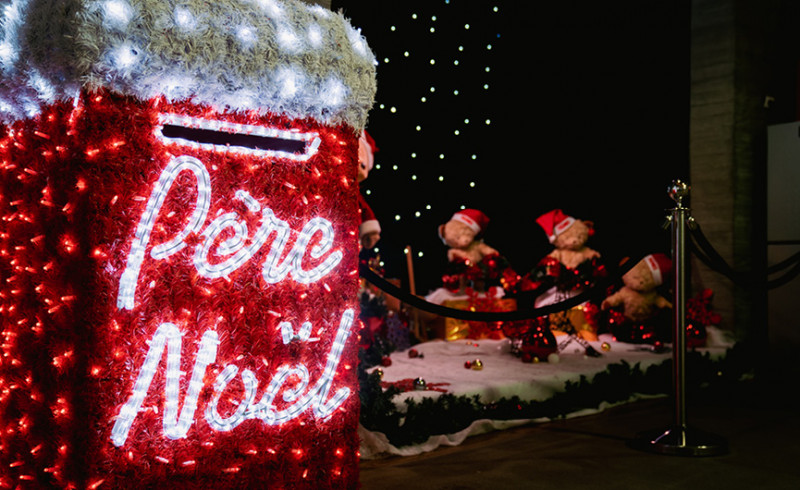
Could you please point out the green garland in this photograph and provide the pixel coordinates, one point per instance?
(448, 413)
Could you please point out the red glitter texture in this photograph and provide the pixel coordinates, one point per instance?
(74, 184)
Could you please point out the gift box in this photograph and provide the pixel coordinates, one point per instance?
(178, 244)
(573, 321)
(457, 329)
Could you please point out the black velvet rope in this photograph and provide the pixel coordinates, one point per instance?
(601, 288)
(705, 252)
(698, 245)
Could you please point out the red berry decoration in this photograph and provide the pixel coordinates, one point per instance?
(386, 361)
(413, 353)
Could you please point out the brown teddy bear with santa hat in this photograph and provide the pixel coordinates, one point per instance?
(572, 265)
(462, 233)
(370, 229)
(569, 237)
(570, 268)
(642, 317)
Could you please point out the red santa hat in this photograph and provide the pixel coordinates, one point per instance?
(660, 266)
(554, 223)
(476, 220)
(369, 223)
(366, 150)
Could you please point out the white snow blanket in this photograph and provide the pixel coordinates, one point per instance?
(442, 364)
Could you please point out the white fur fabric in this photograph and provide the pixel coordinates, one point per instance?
(279, 56)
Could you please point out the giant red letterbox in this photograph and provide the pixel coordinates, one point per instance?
(178, 244)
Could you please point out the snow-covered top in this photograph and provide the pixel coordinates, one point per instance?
(279, 56)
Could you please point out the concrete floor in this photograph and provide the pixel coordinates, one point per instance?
(758, 422)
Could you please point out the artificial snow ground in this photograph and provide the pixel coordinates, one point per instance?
(442, 365)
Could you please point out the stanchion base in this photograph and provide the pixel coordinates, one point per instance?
(681, 441)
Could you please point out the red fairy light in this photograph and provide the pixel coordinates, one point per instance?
(96, 484)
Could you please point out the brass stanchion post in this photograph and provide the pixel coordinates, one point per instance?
(679, 438)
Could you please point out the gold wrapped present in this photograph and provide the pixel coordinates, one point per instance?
(573, 320)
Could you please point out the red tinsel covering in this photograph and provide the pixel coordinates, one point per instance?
(487, 302)
(699, 315)
(75, 182)
(549, 272)
(492, 270)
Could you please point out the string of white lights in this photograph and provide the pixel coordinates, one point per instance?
(274, 273)
(214, 419)
(167, 335)
(177, 424)
(130, 276)
(323, 409)
(287, 333)
(315, 397)
(242, 254)
(234, 247)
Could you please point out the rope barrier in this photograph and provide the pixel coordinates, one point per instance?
(704, 251)
(491, 316)
(699, 246)
(793, 259)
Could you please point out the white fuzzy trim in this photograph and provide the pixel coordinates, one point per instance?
(471, 223)
(561, 227)
(652, 264)
(278, 56)
(369, 226)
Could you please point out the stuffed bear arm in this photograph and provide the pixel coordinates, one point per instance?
(486, 249)
(662, 302)
(573, 258)
(612, 301)
(455, 253)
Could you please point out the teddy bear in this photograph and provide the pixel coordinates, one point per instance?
(370, 229)
(572, 265)
(462, 233)
(641, 309)
(569, 237)
(474, 277)
(566, 271)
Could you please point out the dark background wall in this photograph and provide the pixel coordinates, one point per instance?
(588, 103)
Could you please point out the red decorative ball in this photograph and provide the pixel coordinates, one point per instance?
(412, 353)
(468, 365)
(386, 361)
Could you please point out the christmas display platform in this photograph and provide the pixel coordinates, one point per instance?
(438, 368)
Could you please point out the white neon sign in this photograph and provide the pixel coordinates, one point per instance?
(234, 250)
(176, 426)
